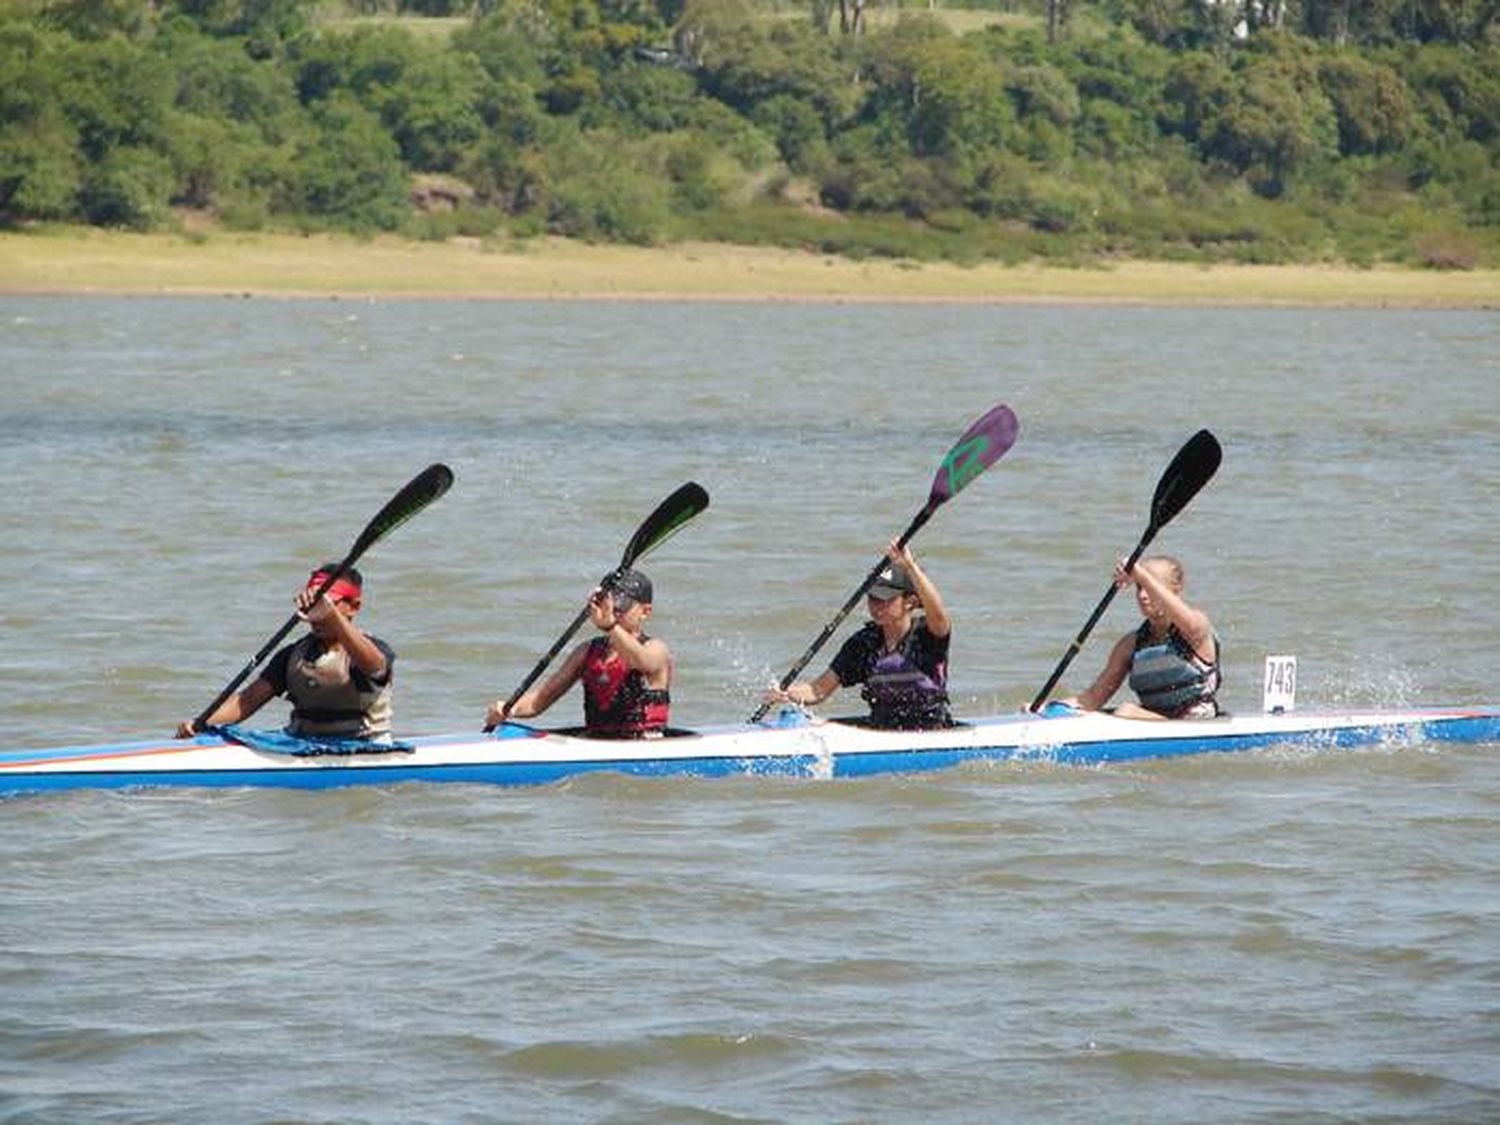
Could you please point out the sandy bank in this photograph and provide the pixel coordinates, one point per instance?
(83, 262)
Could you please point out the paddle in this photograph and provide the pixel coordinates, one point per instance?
(670, 515)
(982, 444)
(1192, 468)
(421, 491)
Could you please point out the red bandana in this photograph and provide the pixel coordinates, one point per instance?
(342, 589)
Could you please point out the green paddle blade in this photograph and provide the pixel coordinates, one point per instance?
(670, 516)
(982, 444)
(423, 489)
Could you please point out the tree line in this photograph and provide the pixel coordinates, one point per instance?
(1256, 130)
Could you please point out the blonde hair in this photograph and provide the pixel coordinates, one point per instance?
(1173, 568)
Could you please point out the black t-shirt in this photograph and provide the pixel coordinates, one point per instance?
(905, 688)
(856, 659)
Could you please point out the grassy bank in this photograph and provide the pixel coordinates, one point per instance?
(84, 261)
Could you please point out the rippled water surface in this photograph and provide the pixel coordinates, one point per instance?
(1274, 937)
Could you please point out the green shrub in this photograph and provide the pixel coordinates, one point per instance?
(41, 172)
(346, 170)
(130, 188)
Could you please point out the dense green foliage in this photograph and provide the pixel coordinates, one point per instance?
(1264, 130)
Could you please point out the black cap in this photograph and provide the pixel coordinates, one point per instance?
(632, 584)
(891, 580)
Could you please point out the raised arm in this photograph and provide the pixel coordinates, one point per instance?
(939, 624)
(1193, 624)
(650, 657)
(364, 654)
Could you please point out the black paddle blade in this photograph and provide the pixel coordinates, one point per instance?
(1192, 468)
(422, 490)
(983, 443)
(670, 515)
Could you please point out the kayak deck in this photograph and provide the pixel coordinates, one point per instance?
(790, 745)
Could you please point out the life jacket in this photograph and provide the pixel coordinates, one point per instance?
(1168, 676)
(617, 703)
(327, 701)
(901, 693)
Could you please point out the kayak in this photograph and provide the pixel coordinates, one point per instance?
(790, 744)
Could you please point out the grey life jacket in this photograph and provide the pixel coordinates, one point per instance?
(1168, 676)
(327, 701)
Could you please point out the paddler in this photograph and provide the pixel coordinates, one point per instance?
(627, 675)
(1171, 659)
(900, 656)
(337, 677)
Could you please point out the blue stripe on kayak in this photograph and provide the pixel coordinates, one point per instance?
(1484, 728)
(334, 777)
(60, 753)
(1480, 728)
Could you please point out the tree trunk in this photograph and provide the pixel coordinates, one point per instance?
(1057, 19)
(1488, 13)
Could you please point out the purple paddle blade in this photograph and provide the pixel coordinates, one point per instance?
(983, 443)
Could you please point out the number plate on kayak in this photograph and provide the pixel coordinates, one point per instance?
(1281, 685)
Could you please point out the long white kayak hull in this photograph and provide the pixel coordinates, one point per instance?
(791, 746)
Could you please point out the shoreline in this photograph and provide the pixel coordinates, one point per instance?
(83, 262)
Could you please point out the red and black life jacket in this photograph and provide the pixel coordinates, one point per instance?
(617, 703)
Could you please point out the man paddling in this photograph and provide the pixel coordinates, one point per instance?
(337, 677)
(627, 675)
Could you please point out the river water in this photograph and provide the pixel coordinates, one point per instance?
(1275, 937)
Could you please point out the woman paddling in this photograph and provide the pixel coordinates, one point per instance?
(1171, 660)
(900, 656)
(627, 676)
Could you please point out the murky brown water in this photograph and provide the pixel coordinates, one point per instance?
(1274, 937)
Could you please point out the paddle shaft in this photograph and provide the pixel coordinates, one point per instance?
(551, 655)
(1088, 626)
(812, 650)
